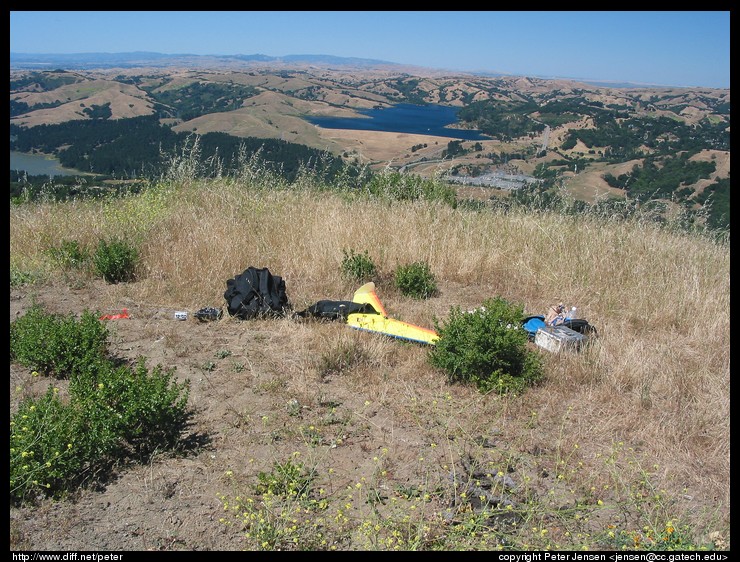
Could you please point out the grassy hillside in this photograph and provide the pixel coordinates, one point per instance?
(624, 445)
(592, 130)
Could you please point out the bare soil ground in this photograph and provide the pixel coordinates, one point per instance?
(246, 377)
(260, 393)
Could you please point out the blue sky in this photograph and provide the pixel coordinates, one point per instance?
(673, 48)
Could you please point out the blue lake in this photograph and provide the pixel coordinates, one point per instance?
(39, 165)
(404, 118)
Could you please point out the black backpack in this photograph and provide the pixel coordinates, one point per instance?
(581, 326)
(256, 293)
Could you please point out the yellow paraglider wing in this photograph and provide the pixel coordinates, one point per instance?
(366, 295)
(381, 324)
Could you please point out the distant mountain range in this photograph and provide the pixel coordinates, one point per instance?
(135, 59)
(86, 61)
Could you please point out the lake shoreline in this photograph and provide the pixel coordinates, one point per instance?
(432, 119)
(41, 164)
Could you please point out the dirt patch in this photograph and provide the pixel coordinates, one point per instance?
(265, 391)
(255, 388)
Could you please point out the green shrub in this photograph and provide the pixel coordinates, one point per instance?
(115, 260)
(357, 266)
(399, 186)
(43, 457)
(69, 254)
(655, 538)
(142, 410)
(415, 280)
(488, 348)
(112, 413)
(286, 517)
(19, 277)
(57, 345)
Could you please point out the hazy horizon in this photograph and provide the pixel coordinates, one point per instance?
(682, 49)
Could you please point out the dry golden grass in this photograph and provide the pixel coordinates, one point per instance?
(656, 382)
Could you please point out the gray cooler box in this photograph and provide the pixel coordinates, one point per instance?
(559, 338)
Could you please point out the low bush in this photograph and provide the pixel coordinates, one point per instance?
(289, 480)
(112, 411)
(20, 277)
(488, 348)
(143, 409)
(69, 254)
(115, 260)
(43, 457)
(356, 266)
(57, 345)
(415, 280)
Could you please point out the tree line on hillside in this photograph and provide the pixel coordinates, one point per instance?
(133, 148)
(624, 140)
(669, 178)
(621, 135)
(44, 81)
(502, 120)
(32, 187)
(661, 177)
(713, 215)
(196, 99)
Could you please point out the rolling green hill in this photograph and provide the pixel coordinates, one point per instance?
(664, 145)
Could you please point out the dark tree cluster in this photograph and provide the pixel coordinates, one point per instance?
(43, 81)
(625, 139)
(198, 99)
(61, 188)
(21, 107)
(505, 121)
(409, 91)
(98, 111)
(133, 148)
(717, 198)
(658, 178)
